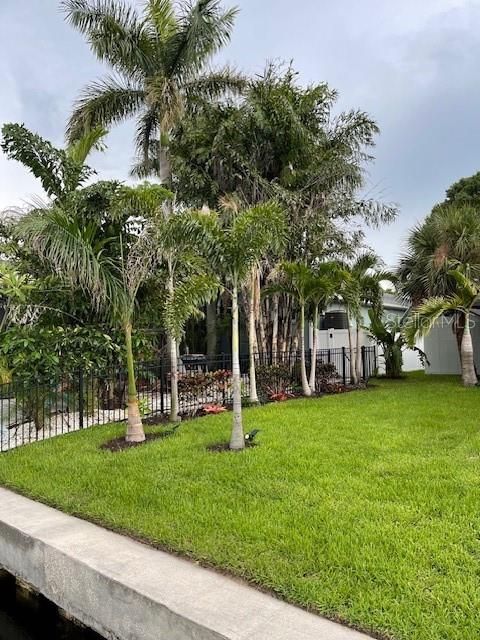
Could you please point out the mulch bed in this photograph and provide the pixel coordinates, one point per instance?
(120, 444)
(221, 447)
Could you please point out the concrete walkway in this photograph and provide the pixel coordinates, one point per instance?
(129, 591)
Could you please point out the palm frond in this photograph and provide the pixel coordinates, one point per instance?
(103, 103)
(115, 32)
(91, 140)
(215, 84)
(72, 252)
(162, 15)
(58, 172)
(186, 300)
(204, 28)
(251, 234)
(421, 321)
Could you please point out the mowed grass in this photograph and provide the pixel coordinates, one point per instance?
(364, 507)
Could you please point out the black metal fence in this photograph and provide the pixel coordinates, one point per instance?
(32, 411)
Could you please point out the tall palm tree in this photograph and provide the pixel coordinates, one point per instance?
(462, 301)
(159, 59)
(235, 243)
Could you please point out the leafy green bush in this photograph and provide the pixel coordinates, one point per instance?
(275, 381)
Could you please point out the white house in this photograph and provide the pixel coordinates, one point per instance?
(333, 330)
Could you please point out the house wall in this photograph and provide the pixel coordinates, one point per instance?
(338, 338)
(441, 348)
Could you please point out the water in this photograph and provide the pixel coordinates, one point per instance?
(24, 616)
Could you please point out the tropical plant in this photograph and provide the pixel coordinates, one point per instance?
(75, 253)
(361, 285)
(15, 295)
(462, 302)
(450, 234)
(190, 283)
(234, 243)
(325, 284)
(160, 61)
(276, 381)
(389, 335)
(295, 280)
(281, 140)
(60, 171)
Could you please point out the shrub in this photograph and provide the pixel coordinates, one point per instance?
(194, 387)
(326, 378)
(275, 381)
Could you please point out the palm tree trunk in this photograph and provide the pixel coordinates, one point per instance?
(358, 354)
(313, 365)
(164, 170)
(237, 439)
(303, 368)
(135, 432)
(353, 375)
(211, 330)
(252, 341)
(275, 328)
(469, 376)
(174, 417)
(458, 327)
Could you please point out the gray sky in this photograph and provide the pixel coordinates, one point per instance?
(413, 65)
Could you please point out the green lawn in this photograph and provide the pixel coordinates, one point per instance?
(364, 507)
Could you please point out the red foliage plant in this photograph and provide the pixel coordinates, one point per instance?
(213, 409)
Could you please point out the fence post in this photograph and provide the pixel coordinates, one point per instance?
(344, 373)
(364, 368)
(80, 399)
(162, 388)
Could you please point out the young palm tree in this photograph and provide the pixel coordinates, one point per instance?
(234, 244)
(361, 284)
(160, 61)
(74, 253)
(325, 283)
(295, 280)
(190, 284)
(462, 301)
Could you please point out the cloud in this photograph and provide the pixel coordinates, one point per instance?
(412, 65)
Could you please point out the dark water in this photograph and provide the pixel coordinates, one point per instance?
(24, 616)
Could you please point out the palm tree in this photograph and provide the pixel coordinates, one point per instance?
(451, 233)
(295, 280)
(462, 301)
(160, 63)
(74, 252)
(235, 243)
(361, 285)
(325, 283)
(191, 284)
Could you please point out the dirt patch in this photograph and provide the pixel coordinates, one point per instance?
(221, 447)
(120, 444)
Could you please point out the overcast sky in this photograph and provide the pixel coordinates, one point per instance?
(413, 65)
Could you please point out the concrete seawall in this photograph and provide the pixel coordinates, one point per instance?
(129, 591)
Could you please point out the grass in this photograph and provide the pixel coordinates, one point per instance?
(363, 507)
